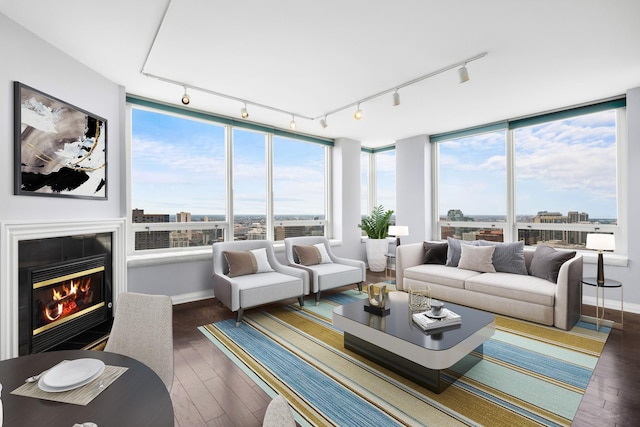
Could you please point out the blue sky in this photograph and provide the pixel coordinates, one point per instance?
(567, 165)
(179, 165)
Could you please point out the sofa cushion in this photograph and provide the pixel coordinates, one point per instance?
(440, 274)
(435, 252)
(517, 287)
(454, 251)
(547, 261)
(240, 263)
(508, 257)
(477, 258)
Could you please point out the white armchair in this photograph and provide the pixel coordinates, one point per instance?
(333, 273)
(249, 290)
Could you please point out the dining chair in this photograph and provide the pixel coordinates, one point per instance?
(143, 329)
(278, 414)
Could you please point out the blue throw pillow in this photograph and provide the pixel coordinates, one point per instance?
(508, 257)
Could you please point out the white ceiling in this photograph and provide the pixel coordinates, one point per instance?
(312, 57)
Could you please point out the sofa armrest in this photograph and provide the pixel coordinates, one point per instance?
(408, 255)
(568, 294)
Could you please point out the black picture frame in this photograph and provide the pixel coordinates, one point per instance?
(60, 150)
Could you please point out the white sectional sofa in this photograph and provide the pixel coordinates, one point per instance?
(522, 296)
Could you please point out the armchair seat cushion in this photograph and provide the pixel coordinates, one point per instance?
(261, 288)
(332, 275)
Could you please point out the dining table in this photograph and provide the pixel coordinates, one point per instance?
(136, 397)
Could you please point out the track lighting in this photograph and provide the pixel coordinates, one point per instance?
(396, 98)
(463, 73)
(358, 114)
(323, 122)
(292, 124)
(243, 111)
(185, 98)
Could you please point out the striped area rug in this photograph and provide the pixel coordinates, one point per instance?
(530, 374)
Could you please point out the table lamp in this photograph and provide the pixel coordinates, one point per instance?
(398, 230)
(601, 242)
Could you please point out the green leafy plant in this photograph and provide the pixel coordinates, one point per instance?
(376, 225)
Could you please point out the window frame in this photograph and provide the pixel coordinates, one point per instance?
(227, 225)
(511, 226)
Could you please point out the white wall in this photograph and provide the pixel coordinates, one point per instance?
(413, 187)
(32, 61)
(346, 199)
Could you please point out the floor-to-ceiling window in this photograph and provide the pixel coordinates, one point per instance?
(198, 178)
(548, 179)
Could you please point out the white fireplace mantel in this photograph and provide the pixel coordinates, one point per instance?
(13, 232)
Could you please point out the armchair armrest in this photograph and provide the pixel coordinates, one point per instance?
(408, 255)
(568, 293)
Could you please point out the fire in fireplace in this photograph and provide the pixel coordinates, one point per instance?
(62, 299)
(66, 299)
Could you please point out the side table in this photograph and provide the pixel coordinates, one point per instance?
(390, 266)
(608, 283)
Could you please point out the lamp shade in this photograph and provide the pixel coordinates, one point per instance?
(398, 230)
(601, 242)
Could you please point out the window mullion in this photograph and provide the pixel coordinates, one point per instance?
(228, 141)
(269, 190)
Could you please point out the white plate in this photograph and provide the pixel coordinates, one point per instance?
(442, 315)
(44, 387)
(72, 373)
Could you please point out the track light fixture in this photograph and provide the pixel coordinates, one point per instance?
(185, 98)
(243, 111)
(292, 124)
(358, 114)
(463, 73)
(396, 98)
(323, 122)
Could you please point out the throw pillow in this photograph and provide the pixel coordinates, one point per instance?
(453, 252)
(546, 262)
(324, 255)
(435, 253)
(262, 260)
(240, 263)
(308, 255)
(477, 258)
(508, 257)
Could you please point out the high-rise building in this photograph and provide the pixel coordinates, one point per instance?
(150, 239)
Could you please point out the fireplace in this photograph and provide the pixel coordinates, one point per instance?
(64, 289)
(67, 299)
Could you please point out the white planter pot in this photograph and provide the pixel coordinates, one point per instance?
(376, 254)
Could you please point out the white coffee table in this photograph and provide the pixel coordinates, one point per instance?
(396, 343)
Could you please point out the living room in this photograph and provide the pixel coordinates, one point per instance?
(38, 63)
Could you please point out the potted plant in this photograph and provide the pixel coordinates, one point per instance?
(376, 226)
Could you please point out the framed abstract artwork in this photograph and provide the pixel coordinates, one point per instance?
(60, 150)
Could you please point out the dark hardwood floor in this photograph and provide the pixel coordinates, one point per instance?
(210, 390)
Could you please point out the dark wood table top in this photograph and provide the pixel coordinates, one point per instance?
(137, 398)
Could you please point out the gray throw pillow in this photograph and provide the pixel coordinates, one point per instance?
(454, 251)
(546, 262)
(508, 257)
(435, 253)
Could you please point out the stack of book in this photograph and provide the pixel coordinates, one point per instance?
(426, 321)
